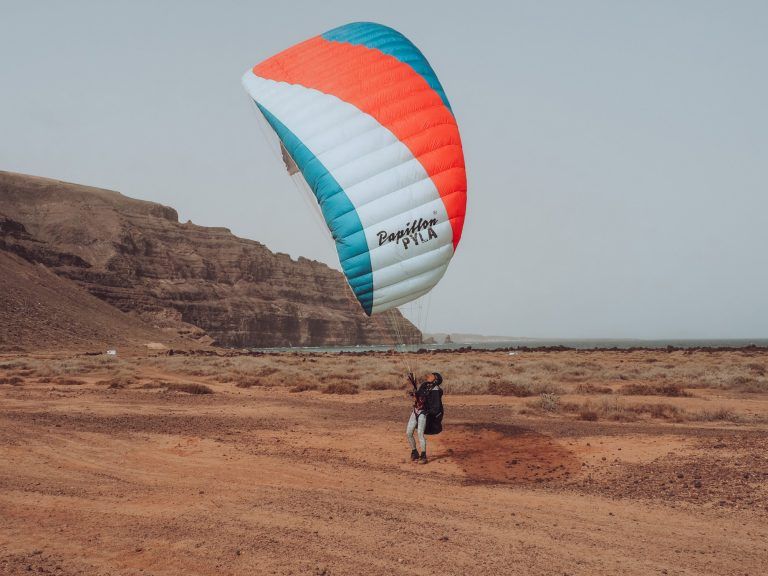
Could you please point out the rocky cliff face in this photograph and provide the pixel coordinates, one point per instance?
(138, 257)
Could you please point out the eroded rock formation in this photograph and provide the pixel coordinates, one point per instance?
(198, 280)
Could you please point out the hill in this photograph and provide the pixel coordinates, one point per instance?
(195, 280)
(41, 311)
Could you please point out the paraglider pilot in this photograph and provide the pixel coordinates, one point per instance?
(427, 413)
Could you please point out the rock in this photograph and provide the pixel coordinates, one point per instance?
(196, 281)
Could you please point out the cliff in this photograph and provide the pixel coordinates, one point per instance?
(196, 280)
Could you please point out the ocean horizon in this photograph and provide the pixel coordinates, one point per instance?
(536, 343)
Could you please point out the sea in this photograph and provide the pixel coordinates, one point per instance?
(533, 343)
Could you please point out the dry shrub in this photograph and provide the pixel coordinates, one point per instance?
(304, 387)
(199, 372)
(719, 414)
(267, 371)
(190, 388)
(117, 382)
(548, 388)
(667, 389)
(740, 380)
(341, 388)
(12, 380)
(549, 402)
(384, 385)
(510, 388)
(758, 386)
(549, 367)
(660, 411)
(154, 385)
(335, 376)
(589, 388)
(744, 383)
(521, 389)
(15, 365)
(574, 375)
(588, 415)
(249, 382)
(610, 408)
(69, 382)
(465, 385)
(757, 368)
(613, 409)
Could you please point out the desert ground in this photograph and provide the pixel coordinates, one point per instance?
(551, 462)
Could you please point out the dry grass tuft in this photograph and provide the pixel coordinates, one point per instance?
(117, 382)
(12, 380)
(664, 389)
(588, 415)
(190, 388)
(341, 388)
(614, 409)
(719, 414)
(267, 371)
(744, 383)
(759, 369)
(154, 385)
(15, 365)
(249, 382)
(336, 376)
(69, 382)
(304, 387)
(549, 402)
(384, 385)
(574, 375)
(522, 388)
(589, 388)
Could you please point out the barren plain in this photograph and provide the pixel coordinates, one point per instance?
(551, 462)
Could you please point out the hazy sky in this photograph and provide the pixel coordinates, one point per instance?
(617, 151)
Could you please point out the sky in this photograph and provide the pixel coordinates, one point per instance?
(617, 151)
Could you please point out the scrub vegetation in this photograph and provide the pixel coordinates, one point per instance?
(617, 385)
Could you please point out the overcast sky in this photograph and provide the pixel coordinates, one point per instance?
(617, 151)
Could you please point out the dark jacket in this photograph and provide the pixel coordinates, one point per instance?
(433, 407)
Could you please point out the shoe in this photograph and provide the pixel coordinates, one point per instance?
(423, 458)
(414, 455)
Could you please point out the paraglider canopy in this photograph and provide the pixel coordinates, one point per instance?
(361, 115)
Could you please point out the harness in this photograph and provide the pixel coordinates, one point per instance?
(419, 400)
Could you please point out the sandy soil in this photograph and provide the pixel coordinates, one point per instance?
(97, 480)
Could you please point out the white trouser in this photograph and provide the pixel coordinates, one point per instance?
(413, 424)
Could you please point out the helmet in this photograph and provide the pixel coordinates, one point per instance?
(438, 378)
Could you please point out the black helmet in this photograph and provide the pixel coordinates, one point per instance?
(438, 378)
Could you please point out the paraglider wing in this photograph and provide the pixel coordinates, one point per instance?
(363, 117)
